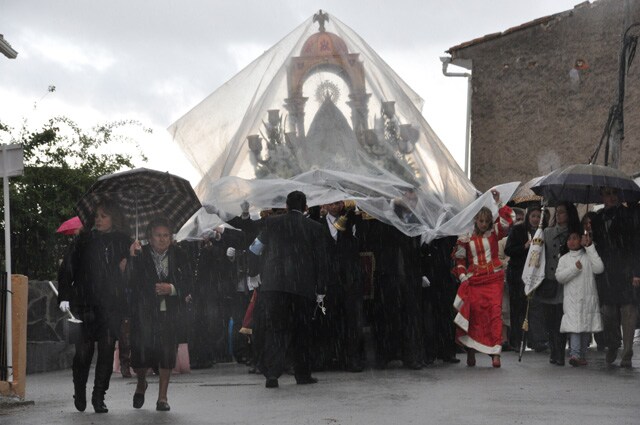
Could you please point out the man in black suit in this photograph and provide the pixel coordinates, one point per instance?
(294, 266)
(615, 236)
(341, 334)
(398, 276)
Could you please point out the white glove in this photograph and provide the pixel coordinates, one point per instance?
(231, 253)
(212, 209)
(219, 231)
(253, 282)
(208, 235)
(425, 282)
(64, 306)
(319, 298)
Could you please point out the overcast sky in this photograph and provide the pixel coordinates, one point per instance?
(154, 60)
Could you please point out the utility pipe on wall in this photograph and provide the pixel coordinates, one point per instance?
(446, 60)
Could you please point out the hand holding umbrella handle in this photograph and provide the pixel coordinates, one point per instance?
(135, 248)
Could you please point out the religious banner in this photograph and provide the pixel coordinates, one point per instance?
(533, 272)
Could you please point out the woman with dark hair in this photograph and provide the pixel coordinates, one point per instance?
(566, 220)
(160, 281)
(479, 298)
(517, 248)
(91, 285)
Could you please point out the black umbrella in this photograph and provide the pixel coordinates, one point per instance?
(143, 194)
(581, 183)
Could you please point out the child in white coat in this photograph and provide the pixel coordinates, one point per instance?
(576, 272)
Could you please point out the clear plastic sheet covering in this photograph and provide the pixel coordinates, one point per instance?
(196, 227)
(229, 192)
(321, 112)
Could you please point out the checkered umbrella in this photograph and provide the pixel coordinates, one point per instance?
(143, 194)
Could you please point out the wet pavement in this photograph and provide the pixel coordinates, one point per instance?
(530, 392)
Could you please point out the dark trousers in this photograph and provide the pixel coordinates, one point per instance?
(241, 348)
(258, 329)
(396, 323)
(206, 330)
(104, 365)
(438, 326)
(124, 345)
(537, 335)
(287, 322)
(557, 340)
(353, 324)
(338, 335)
(617, 316)
(517, 308)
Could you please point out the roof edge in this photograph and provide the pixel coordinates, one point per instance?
(539, 21)
(6, 48)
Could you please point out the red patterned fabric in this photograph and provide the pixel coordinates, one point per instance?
(479, 319)
(478, 254)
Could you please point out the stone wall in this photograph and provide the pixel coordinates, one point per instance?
(542, 93)
(47, 327)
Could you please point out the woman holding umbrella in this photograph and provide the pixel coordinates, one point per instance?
(160, 282)
(548, 293)
(91, 285)
(479, 298)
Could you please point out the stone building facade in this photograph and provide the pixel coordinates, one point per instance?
(541, 92)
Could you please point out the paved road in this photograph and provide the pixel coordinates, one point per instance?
(531, 392)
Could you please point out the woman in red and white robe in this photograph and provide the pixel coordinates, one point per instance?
(481, 275)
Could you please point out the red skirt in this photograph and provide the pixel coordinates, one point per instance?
(479, 318)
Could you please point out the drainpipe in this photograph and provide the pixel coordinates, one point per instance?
(464, 63)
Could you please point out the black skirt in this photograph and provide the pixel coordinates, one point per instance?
(156, 346)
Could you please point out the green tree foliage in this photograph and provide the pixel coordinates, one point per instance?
(61, 161)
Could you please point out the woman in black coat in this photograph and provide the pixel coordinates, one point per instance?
(517, 248)
(160, 284)
(91, 285)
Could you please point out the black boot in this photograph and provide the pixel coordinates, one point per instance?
(80, 399)
(104, 369)
(97, 400)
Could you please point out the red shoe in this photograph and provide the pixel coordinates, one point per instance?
(574, 361)
(471, 358)
(495, 361)
(582, 362)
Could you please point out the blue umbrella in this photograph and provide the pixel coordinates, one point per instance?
(581, 183)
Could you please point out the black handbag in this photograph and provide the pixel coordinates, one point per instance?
(548, 288)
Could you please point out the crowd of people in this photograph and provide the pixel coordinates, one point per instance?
(295, 290)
